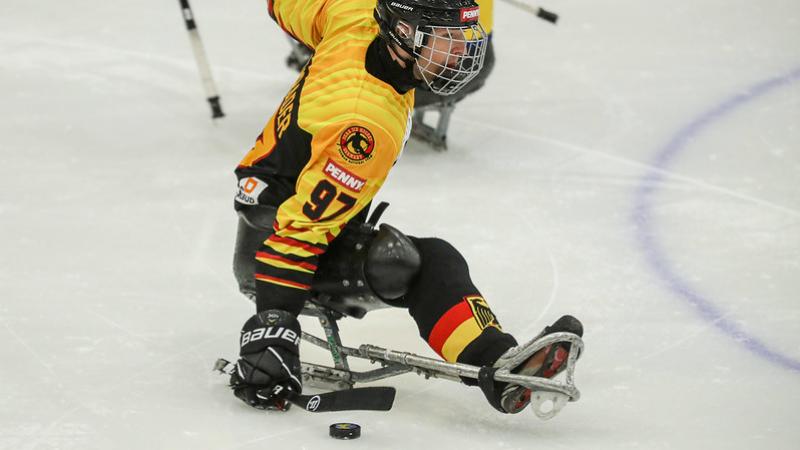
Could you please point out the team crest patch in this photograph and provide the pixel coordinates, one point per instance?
(356, 144)
(480, 310)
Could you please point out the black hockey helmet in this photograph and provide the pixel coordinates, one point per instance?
(447, 42)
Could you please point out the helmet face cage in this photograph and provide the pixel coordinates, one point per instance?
(447, 42)
(448, 58)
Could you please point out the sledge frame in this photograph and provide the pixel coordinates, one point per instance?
(394, 363)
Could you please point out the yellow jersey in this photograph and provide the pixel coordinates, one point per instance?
(329, 146)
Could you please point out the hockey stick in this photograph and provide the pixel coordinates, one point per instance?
(202, 61)
(357, 399)
(535, 10)
(363, 399)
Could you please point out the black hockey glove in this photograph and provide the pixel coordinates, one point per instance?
(269, 360)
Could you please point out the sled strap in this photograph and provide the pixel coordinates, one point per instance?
(490, 387)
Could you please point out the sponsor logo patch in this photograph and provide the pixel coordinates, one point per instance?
(343, 177)
(356, 144)
(480, 310)
(470, 14)
(249, 190)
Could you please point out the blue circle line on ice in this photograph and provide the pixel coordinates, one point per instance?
(653, 251)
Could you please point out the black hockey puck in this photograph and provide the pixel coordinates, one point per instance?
(345, 431)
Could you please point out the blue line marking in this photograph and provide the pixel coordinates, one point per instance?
(654, 253)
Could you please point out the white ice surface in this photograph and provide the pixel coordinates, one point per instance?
(116, 293)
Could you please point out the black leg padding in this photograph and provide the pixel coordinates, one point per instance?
(443, 281)
(255, 226)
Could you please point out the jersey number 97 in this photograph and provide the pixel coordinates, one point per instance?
(321, 198)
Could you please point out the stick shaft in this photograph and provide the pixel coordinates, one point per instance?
(535, 10)
(203, 67)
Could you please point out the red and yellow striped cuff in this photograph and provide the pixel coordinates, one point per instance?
(458, 327)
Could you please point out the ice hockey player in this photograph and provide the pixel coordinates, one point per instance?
(305, 187)
(425, 101)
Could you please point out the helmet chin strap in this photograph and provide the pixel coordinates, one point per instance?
(402, 74)
(398, 56)
(409, 69)
(409, 56)
(402, 34)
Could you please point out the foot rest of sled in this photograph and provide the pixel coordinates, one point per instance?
(546, 404)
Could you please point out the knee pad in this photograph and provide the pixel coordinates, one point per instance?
(392, 263)
(365, 269)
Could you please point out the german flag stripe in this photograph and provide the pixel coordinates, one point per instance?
(468, 331)
(282, 282)
(447, 324)
(285, 263)
(294, 243)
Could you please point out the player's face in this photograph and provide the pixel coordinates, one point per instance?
(443, 49)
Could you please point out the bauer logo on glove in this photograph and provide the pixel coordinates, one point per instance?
(270, 333)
